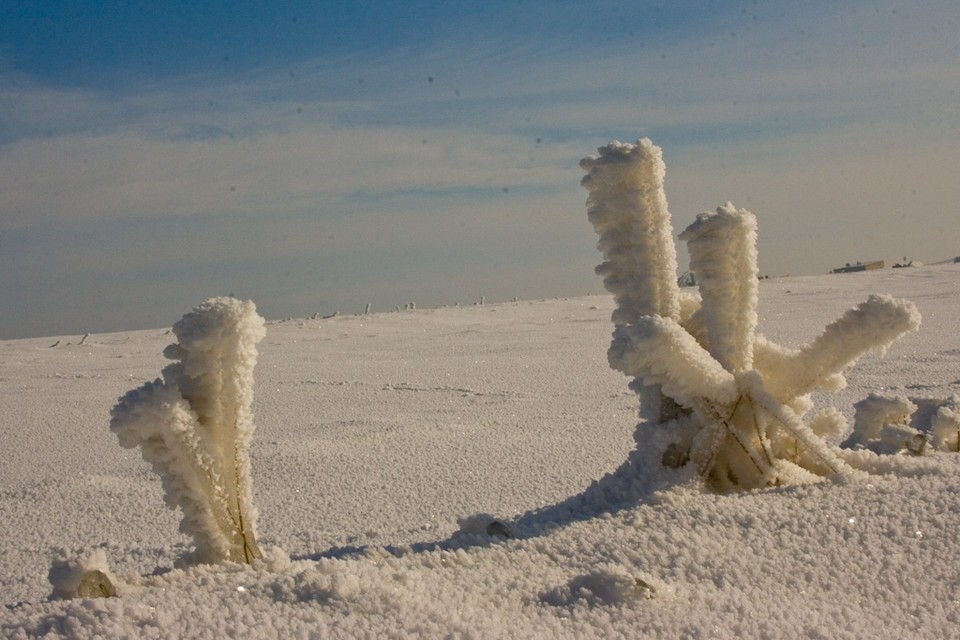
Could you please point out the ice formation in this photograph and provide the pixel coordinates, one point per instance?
(733, 402)
(636, 239)
(888, 423)
(195, 426)
(86, 575)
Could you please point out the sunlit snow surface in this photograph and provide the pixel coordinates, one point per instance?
(377, 435)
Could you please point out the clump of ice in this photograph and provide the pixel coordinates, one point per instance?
(82, 575)
(608, 585)
(889, 423)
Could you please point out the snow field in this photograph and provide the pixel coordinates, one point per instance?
(375, 435)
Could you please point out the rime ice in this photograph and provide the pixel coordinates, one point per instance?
(195, 425)
(733, 402)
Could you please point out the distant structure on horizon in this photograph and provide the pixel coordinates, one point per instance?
(860, 266)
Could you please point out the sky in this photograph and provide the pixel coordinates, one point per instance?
(319, 157)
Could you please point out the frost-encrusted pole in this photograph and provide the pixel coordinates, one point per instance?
(627, 206)
(195, 426)
(723, 254)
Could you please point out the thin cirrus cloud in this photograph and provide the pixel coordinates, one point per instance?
(117, 176)
(439, 163)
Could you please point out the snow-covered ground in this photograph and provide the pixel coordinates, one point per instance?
(380, 436)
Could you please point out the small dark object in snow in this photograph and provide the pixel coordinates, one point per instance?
(96, 584)
(674, 456)
(916, 444)
(644, 588)
(497, 528)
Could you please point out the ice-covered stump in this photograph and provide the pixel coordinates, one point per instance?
(196, 424)
(739, 399)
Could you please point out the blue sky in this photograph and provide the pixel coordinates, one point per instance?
(316, 157)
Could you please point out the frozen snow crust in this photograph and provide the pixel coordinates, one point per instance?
(378, 437)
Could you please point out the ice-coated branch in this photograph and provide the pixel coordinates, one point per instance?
(659, 351)
(793, 423)
(196, 424)
(628, 208)
(873, 324)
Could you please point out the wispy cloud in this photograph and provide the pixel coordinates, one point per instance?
(76, 178)
(816, 116)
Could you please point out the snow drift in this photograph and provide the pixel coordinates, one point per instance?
(477, 410)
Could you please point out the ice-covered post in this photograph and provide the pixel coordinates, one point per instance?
(723, 254)
(627, 206)
(195, 426)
